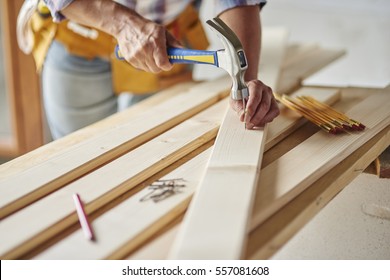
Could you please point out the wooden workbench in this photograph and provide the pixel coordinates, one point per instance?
(264, 239)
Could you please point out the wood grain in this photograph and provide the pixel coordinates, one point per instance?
(138, 230)
(133, 220)
(216, 223)
(106, 183)
(272, 234)
(34, 183)
(268, 237)
(281, 181)
(54, 148)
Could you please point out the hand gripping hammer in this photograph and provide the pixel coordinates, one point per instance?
(232, 58)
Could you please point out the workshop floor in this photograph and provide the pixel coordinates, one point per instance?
(341, 230)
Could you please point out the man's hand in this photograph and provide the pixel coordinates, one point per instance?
(261, 107)
(142, 42)
(145, 46)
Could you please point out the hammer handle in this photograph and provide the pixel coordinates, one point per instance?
(184, 56)
(188, 56)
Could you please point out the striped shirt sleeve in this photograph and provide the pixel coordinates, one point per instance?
(55, 6)
(223, 5)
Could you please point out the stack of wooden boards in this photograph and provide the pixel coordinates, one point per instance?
(246, 205)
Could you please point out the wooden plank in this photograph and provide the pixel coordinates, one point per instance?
(272, 55)
(158, 248)
(312, 61)
(134, 219)
(216, 223)
(281, 181)
(106, 183)
(50, 150)
(22, 88)
(271, 235)
(155, 217)
(22, 189)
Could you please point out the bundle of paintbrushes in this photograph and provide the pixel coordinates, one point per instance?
(320, 114)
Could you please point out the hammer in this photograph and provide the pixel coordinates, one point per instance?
(232, 59)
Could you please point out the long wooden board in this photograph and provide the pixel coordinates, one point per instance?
(106, 183)
(281, 181)
(272, 234)
(215, 225)
(22, 189)
(115, 244)
(52, 149)
(272, 55)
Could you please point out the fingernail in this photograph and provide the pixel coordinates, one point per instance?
(250, 125)
(247, 114)
(241, 115)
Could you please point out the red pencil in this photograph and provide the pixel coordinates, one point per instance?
(85, 225)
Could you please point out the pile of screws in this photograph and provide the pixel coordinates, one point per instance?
(163, 189)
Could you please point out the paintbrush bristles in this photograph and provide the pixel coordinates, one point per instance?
(320, 114)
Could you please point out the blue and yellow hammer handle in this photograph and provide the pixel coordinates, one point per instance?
(187, 56)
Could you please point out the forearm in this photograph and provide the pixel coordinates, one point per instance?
(142, 42)
(105, 15)
(245, 22)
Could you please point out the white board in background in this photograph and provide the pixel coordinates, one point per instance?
(359, 27)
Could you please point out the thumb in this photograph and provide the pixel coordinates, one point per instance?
(237, 106)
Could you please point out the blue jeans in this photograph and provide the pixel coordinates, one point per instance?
(78, 92)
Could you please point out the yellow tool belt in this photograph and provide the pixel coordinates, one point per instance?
(187, 28)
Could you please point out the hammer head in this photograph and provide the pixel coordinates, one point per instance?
(232, 58)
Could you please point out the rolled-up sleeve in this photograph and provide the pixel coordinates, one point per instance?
(55, 7)
(223, 5)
